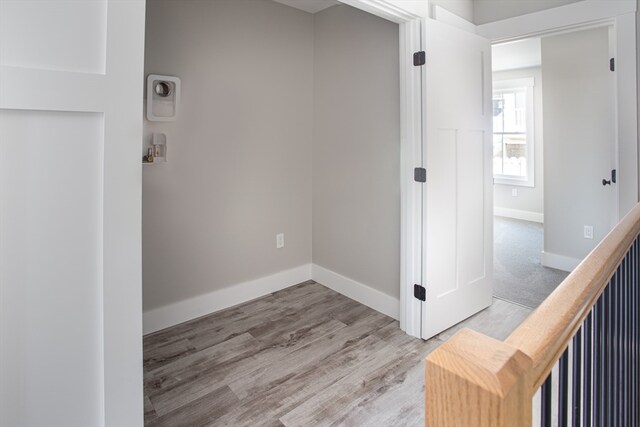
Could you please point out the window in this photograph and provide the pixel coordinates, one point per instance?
(513, 159)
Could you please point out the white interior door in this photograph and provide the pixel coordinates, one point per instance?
(458, 231)
(71, 74)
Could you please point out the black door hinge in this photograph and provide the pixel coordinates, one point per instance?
(419, 58)
(420, 175)
(612, 64)
(420, 292)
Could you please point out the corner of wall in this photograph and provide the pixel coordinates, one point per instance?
(379, 301)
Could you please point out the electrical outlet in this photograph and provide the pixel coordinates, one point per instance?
(514, 192)
(588, 232)
(280, 240)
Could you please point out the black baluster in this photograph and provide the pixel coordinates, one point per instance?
(631, 333)
(606, 358)
(624, 338)
(611, 393)
(635, 333)
(576, 377)
(617, 345)
(587, 371)
(545, 406)
(631, 330)
(613, 354)
(598, 387)
(563, 389)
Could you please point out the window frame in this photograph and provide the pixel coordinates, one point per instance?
(509, 85)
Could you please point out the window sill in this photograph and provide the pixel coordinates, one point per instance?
(514, 181)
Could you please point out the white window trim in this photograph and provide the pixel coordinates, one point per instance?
(506, 85)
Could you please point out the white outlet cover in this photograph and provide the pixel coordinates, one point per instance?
(588, 232)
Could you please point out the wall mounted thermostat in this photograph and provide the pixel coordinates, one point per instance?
(163, 98)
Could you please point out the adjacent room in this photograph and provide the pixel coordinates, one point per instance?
(554, 158)
(283, 157)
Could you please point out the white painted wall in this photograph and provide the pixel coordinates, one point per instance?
(496, 10)
(417, 7)
(578, 127)
(239, 154)
(515, 55)
(529, 199)
(356, 149)
(462, 8)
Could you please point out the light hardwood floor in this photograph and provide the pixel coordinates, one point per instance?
(303, 356)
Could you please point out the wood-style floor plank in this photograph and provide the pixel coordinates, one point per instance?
(201, 411)
(302, 356)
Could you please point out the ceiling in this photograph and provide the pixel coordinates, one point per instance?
(514, 55)
(311, 6)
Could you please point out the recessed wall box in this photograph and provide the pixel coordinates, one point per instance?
(159, 144)
(163, 98)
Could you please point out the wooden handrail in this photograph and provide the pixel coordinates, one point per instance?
(475, 378)
(545, 334)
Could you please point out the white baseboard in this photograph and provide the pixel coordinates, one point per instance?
(364, 294)
(518, 214)
(173, 314)
(559, 262)
(192, 308)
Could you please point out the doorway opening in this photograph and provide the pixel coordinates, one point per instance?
(553, 155)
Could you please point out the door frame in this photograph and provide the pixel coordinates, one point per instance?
(409, 17)
(620, 16)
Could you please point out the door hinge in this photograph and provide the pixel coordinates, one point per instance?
(419, 58)
(612, 64)
(420, 175)
(420, 292)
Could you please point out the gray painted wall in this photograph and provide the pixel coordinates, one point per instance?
(239, 153)
(239, 164)
(578, 96)
(529, 199)
(356, 149)
(495, 10)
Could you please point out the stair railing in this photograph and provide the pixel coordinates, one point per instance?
(577, 354)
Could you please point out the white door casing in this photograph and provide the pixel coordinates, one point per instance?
(415, 235)
(458, 232)
(71, 76)
(408, 14)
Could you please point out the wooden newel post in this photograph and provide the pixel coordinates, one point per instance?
(475, 381)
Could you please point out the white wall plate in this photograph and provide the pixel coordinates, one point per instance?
(163, 98)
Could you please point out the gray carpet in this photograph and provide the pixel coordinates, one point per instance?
(518, 275)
